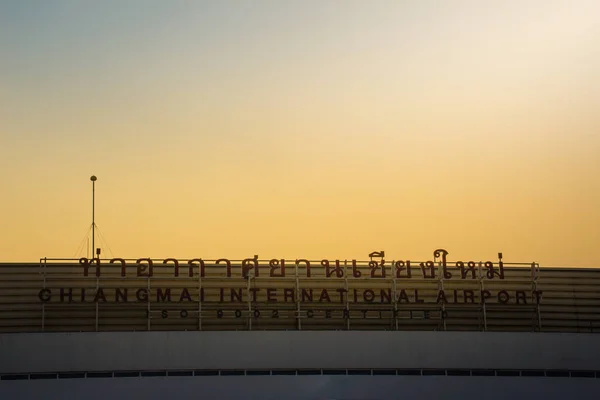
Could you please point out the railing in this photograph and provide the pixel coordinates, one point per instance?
(309, 372)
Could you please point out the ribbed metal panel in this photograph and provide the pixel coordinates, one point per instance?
(358, 297)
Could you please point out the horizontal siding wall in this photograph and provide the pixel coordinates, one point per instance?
(58, 297)
(122, 351)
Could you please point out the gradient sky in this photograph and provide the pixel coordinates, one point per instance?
(315, 129)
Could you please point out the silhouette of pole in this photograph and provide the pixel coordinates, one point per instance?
(93, 179)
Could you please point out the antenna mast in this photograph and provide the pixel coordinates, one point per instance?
(93, 179)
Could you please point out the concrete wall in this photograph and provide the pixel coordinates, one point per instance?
(47, 352)
(305, 388)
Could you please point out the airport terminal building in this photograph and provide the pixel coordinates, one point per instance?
(300, 329)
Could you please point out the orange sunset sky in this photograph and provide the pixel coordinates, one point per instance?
(309, 129)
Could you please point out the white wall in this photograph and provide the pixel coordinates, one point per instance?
(48, 352)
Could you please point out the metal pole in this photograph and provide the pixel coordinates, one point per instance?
(483, 305)
(298, 307)
(93, 179)
(43, 270)
(347, 290)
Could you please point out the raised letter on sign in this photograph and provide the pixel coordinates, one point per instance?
(192, 263)
(521, 297)
(142, 268)
(87, 263)
(465, 271)
(355, 271)
(374, 266)
(66, 293)
(328, 271)
(45, 295)
(403, 296)
(401, 266)
(254, 291)
(307, 295)
(121, 295)
(417, 300)
(248, 264)
(236, 295)
(443, 253)
(227, 265)
(142, 295)
(428, 269)
(174, 261)
(288, 293)
(324, 296)
(271, 293)
(469, 297)
(185, 294)
(485, 294)
(100, 297)
(306, 263)
(441, 297)
(122, 262)
(277, 264)
(341, 292)
(163, 296)
(491, 271)
(386, 295)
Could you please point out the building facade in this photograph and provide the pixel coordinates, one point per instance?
(303, 329)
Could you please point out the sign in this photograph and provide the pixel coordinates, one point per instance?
(390, 293)
(267, 286)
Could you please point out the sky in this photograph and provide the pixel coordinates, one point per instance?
(301, 129)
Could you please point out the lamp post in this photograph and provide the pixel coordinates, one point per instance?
(93, 179)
